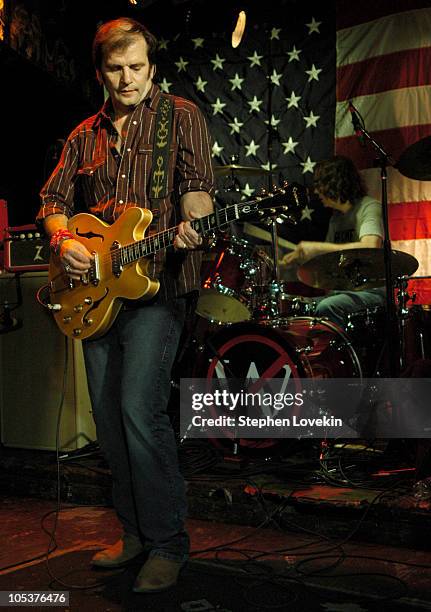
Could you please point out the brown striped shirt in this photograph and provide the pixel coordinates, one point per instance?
(92, 176)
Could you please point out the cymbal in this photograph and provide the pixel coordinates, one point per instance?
(415, 161)
(354, 269)
(235, 169)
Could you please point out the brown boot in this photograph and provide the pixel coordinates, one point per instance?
(158, 574)
(119, 554)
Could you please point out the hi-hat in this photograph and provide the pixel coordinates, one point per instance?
(415, 161)
(354, 269)
(233, 169)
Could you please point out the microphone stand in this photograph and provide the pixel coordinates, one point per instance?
(392, 331)
(274, 233)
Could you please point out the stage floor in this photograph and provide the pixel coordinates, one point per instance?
(302, 527)
(238, 567)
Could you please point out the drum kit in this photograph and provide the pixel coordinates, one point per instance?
(255, 326)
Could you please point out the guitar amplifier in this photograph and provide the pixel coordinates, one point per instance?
(25, 249)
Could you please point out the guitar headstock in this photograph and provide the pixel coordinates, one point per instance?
(268, 205)
(285, 204)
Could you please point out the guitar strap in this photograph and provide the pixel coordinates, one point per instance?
(161, 147)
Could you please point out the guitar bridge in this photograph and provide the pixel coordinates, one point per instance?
(94, 271)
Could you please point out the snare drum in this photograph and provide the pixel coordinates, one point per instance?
(271, 301)
(228, 272)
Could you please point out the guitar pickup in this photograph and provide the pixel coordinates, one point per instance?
(116, 261)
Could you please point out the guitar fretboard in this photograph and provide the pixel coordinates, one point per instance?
(216, 220)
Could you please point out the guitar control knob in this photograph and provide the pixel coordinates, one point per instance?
(77, 331)
(67, 319)
(78, 308)
(88, 300)
(88, 322)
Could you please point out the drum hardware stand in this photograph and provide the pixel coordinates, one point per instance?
(234, 458)
(231, 182)
(392, 332)
(403, 297)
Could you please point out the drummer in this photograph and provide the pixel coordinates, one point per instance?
(356, 222)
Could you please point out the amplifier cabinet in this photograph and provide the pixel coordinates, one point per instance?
(32, 360)
(25, 249)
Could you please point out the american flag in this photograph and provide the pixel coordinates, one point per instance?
(383, 66)
(269, 102)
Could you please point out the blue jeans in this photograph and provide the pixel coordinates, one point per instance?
(337, 306)
(128, 372)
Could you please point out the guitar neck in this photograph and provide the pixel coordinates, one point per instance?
(203, 226)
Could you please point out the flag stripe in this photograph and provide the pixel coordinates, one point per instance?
(384, 111)
(394, 141)
(422, 250)
(400, 188)
(410, 220)
(396, 71)
(399, 32)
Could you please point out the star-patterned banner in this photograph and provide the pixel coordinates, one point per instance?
(269, 103)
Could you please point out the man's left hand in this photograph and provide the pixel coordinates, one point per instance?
(187, 237)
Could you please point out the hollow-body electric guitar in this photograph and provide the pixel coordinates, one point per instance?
(86, 308)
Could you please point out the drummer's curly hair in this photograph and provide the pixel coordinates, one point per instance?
(338, 178)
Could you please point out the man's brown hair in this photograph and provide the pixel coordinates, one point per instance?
(117, 35)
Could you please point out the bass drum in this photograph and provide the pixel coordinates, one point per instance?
(300, 347)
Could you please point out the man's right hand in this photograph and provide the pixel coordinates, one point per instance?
(76, 259)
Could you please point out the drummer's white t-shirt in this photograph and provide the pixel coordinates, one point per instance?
(363, 219)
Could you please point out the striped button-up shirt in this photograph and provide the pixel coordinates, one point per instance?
(92, 176)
